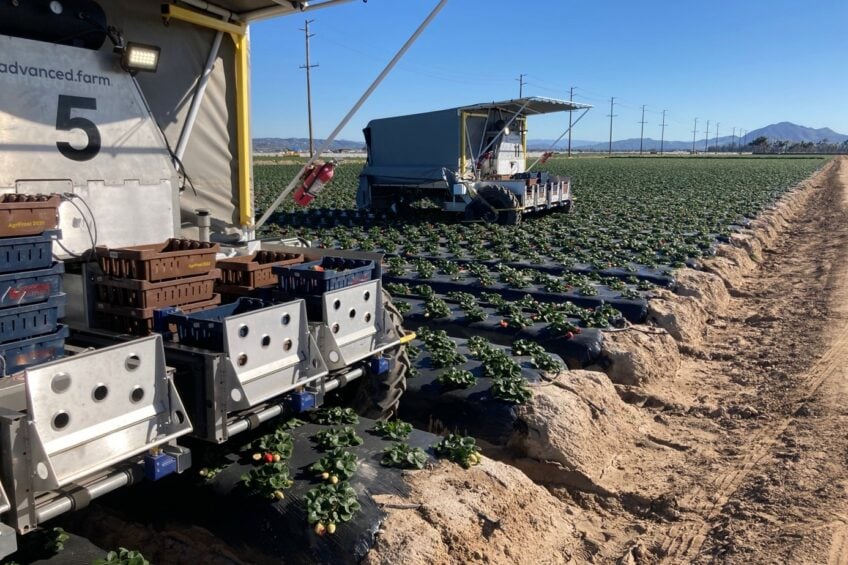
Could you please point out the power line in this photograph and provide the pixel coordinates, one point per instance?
(309, 68)
(716, 145)
(611, 116)
(520, 80)
(707, 136)
(642, 134)
(662, 134)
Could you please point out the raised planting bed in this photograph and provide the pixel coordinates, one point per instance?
(28, 253)
(28, 287)
(154, 262)
(138, 293)
(578, 351)
(473, 410)
(18, 355)
(21, 322)
(28, 214)
(634, 310)
(139, 321)
(255, 270)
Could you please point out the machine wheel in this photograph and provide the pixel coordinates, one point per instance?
(378, 396)
(498, 205)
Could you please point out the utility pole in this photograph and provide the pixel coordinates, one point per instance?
(707, 137)
(694, 133)
(520, 80)
(309, 68)
(716, 147)
(611, 116)
(662, 133)
(642, 134)
(733, 141)
(570, 116)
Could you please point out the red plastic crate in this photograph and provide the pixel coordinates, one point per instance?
(28, 214)
(138, 293)
(255, 270)
(139, 321)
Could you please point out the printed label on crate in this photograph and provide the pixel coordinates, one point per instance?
(21, 292)
(26, 224)
(200, 265)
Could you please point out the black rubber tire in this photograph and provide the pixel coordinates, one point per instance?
(500, 198)
(378, 396)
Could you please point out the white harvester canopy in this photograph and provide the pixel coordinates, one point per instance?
(198, 97)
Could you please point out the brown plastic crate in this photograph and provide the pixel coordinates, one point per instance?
(139, 321)
(28, 214)
(256, 270)
(138, 293)
(154, 262)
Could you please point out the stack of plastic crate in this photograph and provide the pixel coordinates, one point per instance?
(252, 275)
(31, 297)
(136, 281)
(310, 280)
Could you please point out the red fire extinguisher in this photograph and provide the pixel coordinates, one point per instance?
(314, 178)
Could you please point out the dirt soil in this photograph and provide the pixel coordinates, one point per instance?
(735, 450)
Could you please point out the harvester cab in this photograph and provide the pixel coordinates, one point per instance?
(137, 310)
(470, 160)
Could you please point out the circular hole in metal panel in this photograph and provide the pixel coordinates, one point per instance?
(337, 304)
(367, 317)
(100, 392)
(352, 313)
(266, 340)
(60, 382)
(334, 356)
(133, 362)
(42, 471)
(243, 331)
(242, 360)
(367, 295)
(137, 394)
(61, 420)
(315, 363)
(286, 319)
(235, 394)
(335, 328)
(287, 345)
(179, 417)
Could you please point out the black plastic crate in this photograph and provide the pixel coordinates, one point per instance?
(206, 328)
(18, 355)
(27, 253)
(30, 320)
(28, 287)
(330, 273)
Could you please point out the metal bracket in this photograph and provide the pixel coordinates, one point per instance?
(270, 352)
(93, 410)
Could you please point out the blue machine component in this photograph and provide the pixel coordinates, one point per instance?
(160, 319)
(159, 466)
(302, 401)
(380, 365)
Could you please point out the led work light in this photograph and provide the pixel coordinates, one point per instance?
(140, 57)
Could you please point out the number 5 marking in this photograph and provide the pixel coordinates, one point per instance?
(64, 122)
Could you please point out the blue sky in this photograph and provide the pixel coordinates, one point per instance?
(743, 63)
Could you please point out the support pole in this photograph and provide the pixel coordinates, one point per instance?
(570, 124)
(309, 68)
(662, 133)
(611, 116)
(642, 134)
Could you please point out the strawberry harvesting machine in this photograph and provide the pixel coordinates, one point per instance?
(469, 160)
(139, 314)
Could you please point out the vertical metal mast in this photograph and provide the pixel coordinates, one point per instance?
(308, 68)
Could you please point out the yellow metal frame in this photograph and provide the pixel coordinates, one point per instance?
(238, 32)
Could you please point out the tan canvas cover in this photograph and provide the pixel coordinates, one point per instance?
(210, 157)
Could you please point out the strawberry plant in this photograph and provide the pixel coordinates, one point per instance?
(335, 416)
(268, 480)
(435, 308)
(404, 456)
(456, 378)
(397, 430)
(541, 359)
(122, 557)
(338, 437)
(274, 446)
(328, 505)
(336, 465)
(511, 389)
(459, 449)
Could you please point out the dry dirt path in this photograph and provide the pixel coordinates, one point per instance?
(771, 379)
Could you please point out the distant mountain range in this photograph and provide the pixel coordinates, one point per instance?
(783, 131)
